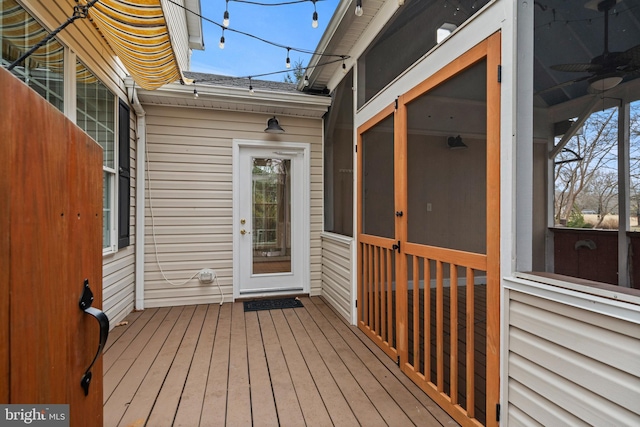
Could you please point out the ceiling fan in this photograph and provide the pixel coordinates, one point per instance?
(608, 69)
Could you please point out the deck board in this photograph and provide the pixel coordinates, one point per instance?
(192, 397)
(212, 365)
(214, 406)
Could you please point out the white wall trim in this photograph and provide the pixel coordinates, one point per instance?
(141, 146)
(574, 295)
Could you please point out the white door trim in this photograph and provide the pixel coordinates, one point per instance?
(306, 222)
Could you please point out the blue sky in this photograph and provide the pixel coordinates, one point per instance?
(242, 56)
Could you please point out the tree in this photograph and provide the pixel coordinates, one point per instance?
(596, 148)
(604, 188)
(298, 73)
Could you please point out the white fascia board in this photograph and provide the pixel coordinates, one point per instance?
(374, 27)
(327, 36)
(194, 24)
(241, 96)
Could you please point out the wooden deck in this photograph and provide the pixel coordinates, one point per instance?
(212, 365)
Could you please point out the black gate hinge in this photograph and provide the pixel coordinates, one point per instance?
(497, 412)
(396, 103)
(396, 247)
(499, 73)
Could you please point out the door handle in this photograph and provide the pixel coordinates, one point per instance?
(85, 305)
(243, 232)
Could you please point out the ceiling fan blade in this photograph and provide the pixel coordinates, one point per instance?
(561, 85)
(577, 68)
(631, 56)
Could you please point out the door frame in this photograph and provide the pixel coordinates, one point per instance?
(305, 250)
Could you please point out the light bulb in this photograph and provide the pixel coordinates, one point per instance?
(400, 2)
(225, 20)
(195, 93)
(314, 23)
(306, 81)
(358, 10)
(221, 44)
(288, 62)
(251, 91)
(344, 68)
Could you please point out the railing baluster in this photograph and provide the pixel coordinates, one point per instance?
(453, 333)
(439, 327)
(427, 319)
(470, 297)
(390, 326)
(370, 285)
(376, 289)
(383, 296)
(416, 313)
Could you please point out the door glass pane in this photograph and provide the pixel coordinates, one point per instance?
(446, 163)
(377, 184)
(271, 207)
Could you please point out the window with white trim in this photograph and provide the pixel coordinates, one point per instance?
(43, 71)
(98, 112)
(95, 114)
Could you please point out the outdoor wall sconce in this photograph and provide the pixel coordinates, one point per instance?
(455, 143)
(273, 126)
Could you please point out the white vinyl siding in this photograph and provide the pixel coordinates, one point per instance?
(190, 171)
(336, 272)
(572, 358)
(86, 42)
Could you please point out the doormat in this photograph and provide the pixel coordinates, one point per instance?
(272, 304)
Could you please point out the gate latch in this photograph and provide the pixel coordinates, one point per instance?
(396, 247)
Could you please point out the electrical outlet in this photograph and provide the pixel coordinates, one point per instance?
(206, 275)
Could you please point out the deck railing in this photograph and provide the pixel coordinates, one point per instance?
(432, 319)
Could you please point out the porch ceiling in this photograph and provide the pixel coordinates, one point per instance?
(573, 33)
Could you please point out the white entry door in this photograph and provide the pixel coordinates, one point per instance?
(271, 219)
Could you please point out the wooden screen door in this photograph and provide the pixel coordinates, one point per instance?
(50, 246)
(270, 219)
(428, 233)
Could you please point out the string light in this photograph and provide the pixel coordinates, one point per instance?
(359, 8)
(223, 26)
(195, 91)
(400, 2)
(306, 81)
(225, 18)
(251, 91)
(288, 63)
(314, 22)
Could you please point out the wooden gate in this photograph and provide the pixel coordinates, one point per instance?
(50, 250)
(428, 279)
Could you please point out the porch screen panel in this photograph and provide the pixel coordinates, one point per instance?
(446, 164)
(378, 182)
(376, 251)
(397, 46)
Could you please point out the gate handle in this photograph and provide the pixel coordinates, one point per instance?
(85, 305)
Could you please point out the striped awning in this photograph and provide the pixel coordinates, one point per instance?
(137, 32)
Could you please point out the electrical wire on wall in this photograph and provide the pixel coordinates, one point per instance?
(155, 243)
